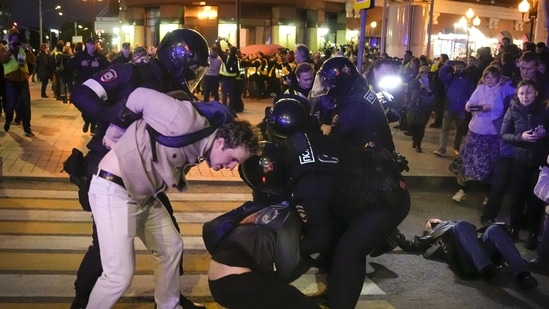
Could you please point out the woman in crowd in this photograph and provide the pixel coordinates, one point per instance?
(524, 127)
(422, 100)
(43, 69)
(480, 150)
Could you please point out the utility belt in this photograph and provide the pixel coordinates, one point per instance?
(110, 177)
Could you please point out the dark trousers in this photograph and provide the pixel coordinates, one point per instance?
(18, 100)
(44, 86)
(523, 179)
(439, 111)
(254, 290)
(417, 130)
(362, 235)
(60, 87)
(211, 87)
(228, 91)
(543, 253)
(239, 92)
(499, 188)
(495, 245)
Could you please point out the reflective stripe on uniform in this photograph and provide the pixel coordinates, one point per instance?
(97, 88)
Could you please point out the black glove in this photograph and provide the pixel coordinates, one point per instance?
(127, 117)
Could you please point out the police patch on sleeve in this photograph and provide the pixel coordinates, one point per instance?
(109, 76)
(370, 96)
(307, 156)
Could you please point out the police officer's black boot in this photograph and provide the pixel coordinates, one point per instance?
(80, 301)
(186, 303)
(189, 304)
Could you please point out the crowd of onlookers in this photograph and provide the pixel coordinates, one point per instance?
(64, 65)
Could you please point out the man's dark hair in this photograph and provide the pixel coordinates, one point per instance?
(240, 133)
(445, 57)
(529, 57)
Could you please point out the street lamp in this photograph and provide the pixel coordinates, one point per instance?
(41, 17)
(93, 15)
(373, 26)
(524, 7)
(468, 21)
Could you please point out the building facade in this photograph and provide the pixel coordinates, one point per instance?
(398, 25)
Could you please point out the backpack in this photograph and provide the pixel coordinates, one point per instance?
(269, 234)
(217, 115)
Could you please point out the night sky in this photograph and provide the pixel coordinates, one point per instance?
(25, 12)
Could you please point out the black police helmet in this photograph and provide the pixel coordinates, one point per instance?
(184, 54)
(336, 77)
(287, 116)
(266, 172)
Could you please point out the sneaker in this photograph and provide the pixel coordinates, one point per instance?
(455, 150)
(525, 281)
(459, 196)
(29, 134)
(439, 153)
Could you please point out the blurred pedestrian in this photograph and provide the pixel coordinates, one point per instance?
(43, 69)
(85, 64)
(211, 79)
(15, 58)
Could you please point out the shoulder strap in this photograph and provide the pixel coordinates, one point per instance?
(216, 113)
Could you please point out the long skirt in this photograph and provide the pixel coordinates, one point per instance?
(479, 154)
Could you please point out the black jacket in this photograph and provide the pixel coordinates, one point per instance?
(520, 118)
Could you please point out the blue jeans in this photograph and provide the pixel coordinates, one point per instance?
(494, 245)
(18, 99)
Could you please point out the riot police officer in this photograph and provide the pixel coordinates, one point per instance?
(357, 115)
(350, 198)
(179, 64)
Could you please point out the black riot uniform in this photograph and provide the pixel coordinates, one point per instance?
(357, 115)
(350, 198)
(103, 97)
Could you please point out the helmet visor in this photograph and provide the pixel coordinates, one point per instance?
(194, 76)
(320, 87)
